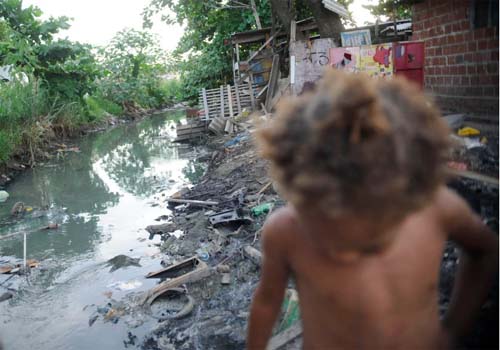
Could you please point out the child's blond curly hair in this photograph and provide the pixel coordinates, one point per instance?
(357, 145)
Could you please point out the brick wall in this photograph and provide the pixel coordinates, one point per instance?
(461, 63)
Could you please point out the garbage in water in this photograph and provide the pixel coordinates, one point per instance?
(10, 269)
(121, 261)
(5, 296)
(51, 226)
(178, 269)
(17, 209)
(4, 195)
(121, 285)
(168, 312)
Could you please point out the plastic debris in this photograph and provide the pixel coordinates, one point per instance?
(262, 209)
(235, 141)
(203, 254)
(121, 285)
(468, 131)
(226, 278)
(473, 142)
(457, 165)
(291, 311)
(6, 296)
(3, 196)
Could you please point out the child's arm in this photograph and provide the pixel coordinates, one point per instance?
(478, 263)
(269, 295)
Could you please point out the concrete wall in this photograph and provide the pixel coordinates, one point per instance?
(461, 65)
(311, 58)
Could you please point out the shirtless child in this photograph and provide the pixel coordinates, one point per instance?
(361, 162)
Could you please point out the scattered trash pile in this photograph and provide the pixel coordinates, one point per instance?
(212, 258)
(475, 157)
(212, 244)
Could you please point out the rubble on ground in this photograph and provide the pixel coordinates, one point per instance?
(221, 219)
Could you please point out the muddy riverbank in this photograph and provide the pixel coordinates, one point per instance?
(57, 142)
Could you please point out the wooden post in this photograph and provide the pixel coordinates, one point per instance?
(252, 97)
(237, 91)
(230, 100)
(237, 61)
(291, 49)
(293, 31)
(24, 254)
(205, 103)
(221, 93)
(273, 79)
(232, 67)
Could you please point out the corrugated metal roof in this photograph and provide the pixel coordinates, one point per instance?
(399, 27)
(336, 7)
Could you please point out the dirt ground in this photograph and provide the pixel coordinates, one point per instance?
(237, 179)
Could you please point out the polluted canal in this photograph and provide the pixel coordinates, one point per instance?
(101, 194)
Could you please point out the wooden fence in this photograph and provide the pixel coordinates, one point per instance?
(227, 101)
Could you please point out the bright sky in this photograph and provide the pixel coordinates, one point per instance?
(96, 21)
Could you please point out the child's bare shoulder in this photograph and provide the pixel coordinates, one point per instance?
(449, 204)
(279, 227)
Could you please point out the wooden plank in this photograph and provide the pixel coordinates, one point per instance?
(285, 337)
(273, 80)
(474, 176)
(252, 97)
(205, 104)
(262, 47)
(188, 201)
(217, 124)
(261, 92)
(172, 270)
(293, 30)
(194, 129)
(190, 277)
(221, 93)
(230, 98)
(237, 92)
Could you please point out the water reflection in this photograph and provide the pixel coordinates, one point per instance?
(102, 197)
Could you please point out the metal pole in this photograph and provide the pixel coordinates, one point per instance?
(24, 253)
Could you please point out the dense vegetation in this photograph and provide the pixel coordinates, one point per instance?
(54, 86)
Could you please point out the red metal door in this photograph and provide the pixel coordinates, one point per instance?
(409, 61)
(409, 55)
(414, 75)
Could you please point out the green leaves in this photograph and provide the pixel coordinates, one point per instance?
(134, 64)
(201, 58)
(400, 9)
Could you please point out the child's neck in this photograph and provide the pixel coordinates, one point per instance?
(347, 238)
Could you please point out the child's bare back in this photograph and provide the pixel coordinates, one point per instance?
(366, 282)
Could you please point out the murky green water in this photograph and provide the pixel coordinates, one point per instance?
(102, 197)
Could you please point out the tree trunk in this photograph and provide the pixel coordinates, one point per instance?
(285, 14)
(329, 24)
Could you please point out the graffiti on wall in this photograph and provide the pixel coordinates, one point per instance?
(375, 60)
